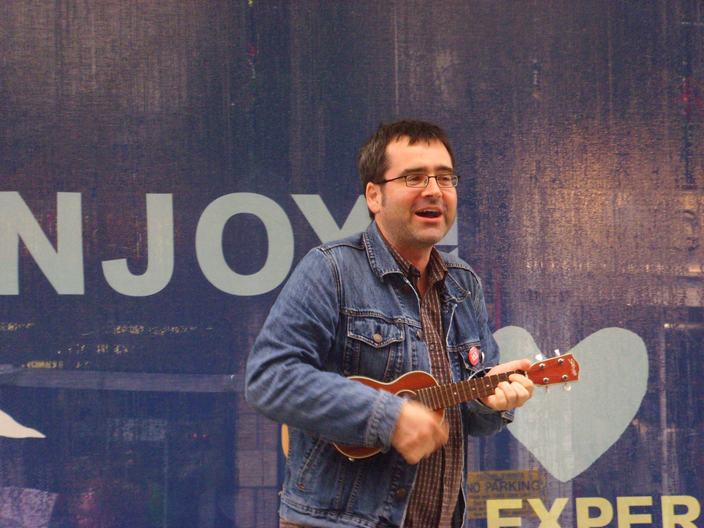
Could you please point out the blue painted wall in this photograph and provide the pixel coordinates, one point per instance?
(577, 127)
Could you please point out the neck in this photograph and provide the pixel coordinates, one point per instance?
(416, 254)
(419, 259)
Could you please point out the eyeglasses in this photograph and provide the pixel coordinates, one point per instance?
(421, 180)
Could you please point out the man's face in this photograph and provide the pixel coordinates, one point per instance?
(414, 219)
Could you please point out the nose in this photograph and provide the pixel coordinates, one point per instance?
(432, 189)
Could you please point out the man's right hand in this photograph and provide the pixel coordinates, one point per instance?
(419, 432)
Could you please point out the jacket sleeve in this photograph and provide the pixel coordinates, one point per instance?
(287, 376)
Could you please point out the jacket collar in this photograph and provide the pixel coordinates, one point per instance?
(380, 258)
(383, 263)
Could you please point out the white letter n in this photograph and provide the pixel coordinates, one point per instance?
(63, 266)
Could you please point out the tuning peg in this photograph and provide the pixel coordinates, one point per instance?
(539, 357)
(557, 352)
(567, 387)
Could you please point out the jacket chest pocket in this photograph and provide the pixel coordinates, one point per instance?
(374, 348)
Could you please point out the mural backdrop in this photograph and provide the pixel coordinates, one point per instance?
(164, 165)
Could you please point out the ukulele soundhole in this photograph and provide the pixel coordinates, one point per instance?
(408, 394)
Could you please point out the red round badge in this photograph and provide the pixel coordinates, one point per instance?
(473, 355)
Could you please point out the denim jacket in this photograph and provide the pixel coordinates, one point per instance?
(348, 310)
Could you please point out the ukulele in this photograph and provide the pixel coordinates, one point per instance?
(423, 387)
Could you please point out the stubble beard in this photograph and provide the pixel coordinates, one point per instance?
(402, 233)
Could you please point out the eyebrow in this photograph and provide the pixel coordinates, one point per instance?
(416, 170)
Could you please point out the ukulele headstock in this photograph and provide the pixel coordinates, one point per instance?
(558, 369)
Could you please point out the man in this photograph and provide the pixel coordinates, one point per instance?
(381, 304)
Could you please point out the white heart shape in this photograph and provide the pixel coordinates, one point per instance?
(568, 431)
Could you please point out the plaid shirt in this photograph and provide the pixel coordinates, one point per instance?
(439, 478)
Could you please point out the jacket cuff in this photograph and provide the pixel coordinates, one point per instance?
(384, 418)
(478, 407)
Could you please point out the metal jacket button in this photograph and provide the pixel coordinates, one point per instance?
(377, 338)
(401, 493)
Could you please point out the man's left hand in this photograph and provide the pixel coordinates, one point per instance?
(513, 393)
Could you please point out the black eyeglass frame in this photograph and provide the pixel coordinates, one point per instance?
(454, 180)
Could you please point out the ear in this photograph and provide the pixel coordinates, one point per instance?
(373, 196)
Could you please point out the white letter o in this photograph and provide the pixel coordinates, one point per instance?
(209, 244)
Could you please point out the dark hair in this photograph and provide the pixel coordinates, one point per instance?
(372, 158)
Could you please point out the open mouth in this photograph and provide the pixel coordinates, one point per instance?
(429, 213)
